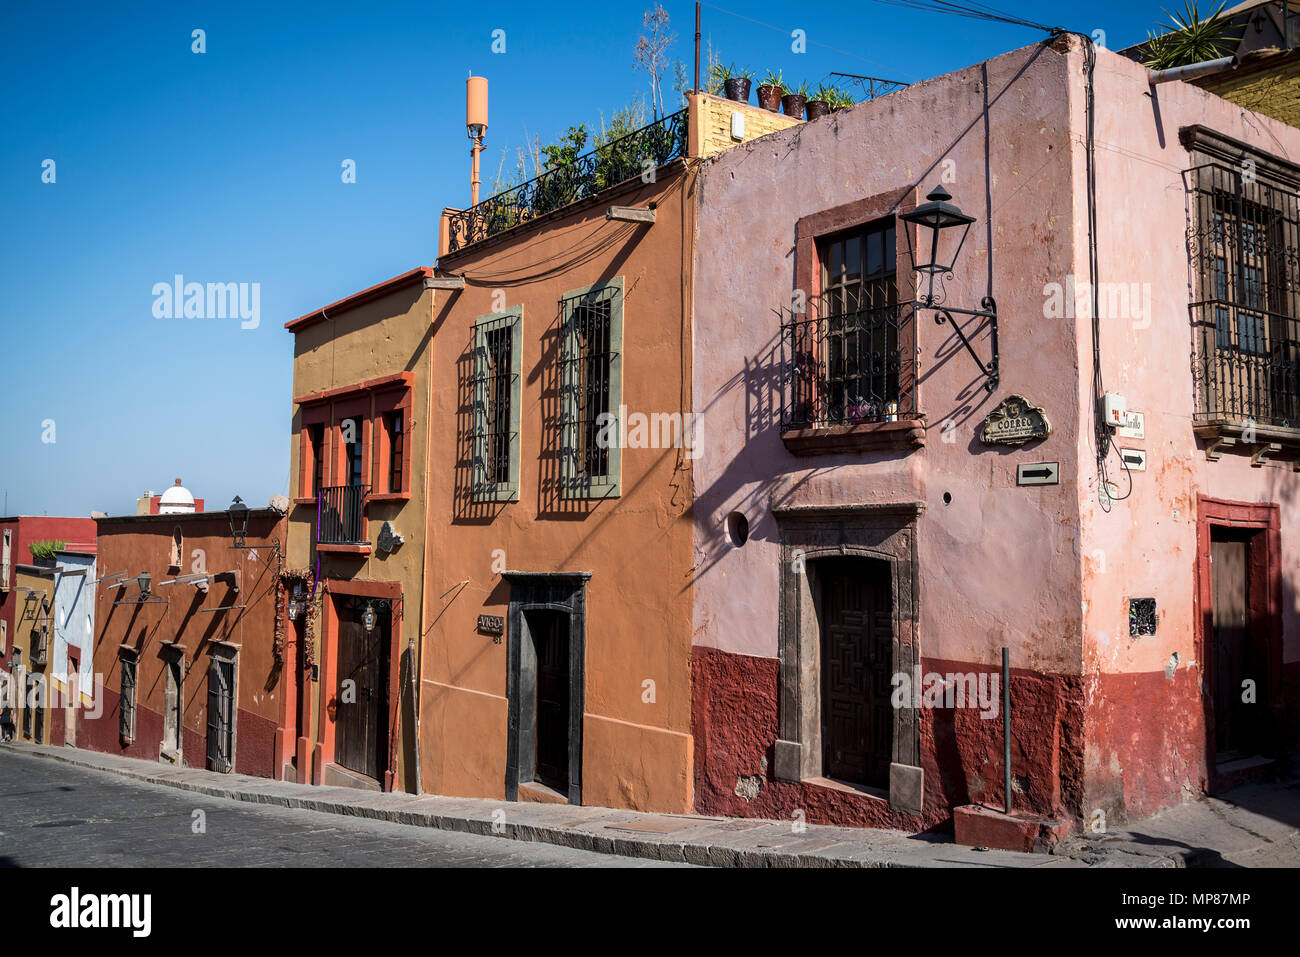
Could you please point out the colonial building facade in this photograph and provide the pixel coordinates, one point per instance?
(878, 503)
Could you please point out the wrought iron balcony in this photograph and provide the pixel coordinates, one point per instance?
(845, 367)
(1246, 347)
(608, 165)
(341, 515)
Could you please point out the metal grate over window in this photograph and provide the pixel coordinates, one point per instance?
(589, 356)
(126, 708)
(1246, 318)
(496, 406)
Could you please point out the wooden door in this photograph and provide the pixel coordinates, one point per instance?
(175, 704)
(73, 703)
(857, 657)
(550, 631)
(361, 734)
(221, 715)
(1234, 657)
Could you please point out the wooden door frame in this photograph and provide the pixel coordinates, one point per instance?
(564, 592)
(1263, 558)
(325, 736)
(885, 532)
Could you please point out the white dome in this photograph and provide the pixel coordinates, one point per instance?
(176, 500)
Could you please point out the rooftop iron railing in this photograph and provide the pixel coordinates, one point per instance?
(610, 164)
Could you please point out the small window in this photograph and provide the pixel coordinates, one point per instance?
(316, 448)
(177, 546)
(395, 435)
(591, 386)
(126, 708)
(498, 347)
(354, 456)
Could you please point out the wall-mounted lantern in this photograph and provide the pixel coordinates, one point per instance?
(296, 602)
(941, 233)
(143, 580)
(238, 513)
(368, 618)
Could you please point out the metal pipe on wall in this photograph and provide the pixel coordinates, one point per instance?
(1006, 726)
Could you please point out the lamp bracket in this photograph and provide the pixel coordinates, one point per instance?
(988, 310)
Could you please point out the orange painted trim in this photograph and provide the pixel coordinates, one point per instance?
(369, 385)
(306, 500)
(324, 749)
(345, 549)
(389, 497)
(359, 298)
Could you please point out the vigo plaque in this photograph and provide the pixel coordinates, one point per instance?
(494, 625)
(1015, 422)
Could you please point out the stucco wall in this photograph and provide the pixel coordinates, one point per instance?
(1146, 741)
(636, 741)
(143, 543)
(385, 337)
(989, 550)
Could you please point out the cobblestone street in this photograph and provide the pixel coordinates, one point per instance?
(56, 815)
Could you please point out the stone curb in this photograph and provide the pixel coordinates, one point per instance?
(704, 842)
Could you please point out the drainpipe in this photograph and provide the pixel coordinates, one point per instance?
(1006, 726)
(1192, 70)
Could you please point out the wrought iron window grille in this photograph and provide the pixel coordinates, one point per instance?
(497, 380)
(1244, 247)
(608, 165)
(590, 377)
(845, 366)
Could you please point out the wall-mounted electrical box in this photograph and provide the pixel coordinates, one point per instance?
(1114, 409)
(738, 126)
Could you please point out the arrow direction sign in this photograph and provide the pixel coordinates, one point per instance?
(1040, 473)
(1135, 460)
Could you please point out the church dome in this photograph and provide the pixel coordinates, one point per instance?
(177, 500)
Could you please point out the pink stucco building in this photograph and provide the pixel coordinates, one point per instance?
(852, 525)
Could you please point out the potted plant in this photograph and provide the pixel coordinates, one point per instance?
(820, 104)
(770, 92)
(794, 100)
(736, 83)
(841, 101)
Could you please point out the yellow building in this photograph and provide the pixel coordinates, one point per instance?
(33, 651)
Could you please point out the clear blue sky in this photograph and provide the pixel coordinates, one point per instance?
(225, 167)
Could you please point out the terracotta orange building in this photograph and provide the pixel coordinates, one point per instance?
(187, 654)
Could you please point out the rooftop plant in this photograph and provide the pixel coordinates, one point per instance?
(46, 549)
(1189, 38)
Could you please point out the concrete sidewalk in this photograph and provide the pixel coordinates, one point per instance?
(709, 841)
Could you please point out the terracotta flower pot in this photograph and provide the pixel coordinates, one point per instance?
(737, 88)
(794, 104)
(818, 108)
(769, 98)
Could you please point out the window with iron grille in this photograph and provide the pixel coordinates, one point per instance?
(126, 707)
(1245, 230)
(842, 351)
(591, 390)
(498, 347)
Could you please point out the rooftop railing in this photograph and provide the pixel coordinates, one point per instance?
(610, 164)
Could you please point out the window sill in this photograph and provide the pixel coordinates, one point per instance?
(865, 437)
(305, 500)
(391, 497)
(365, 549)
(1267, 442)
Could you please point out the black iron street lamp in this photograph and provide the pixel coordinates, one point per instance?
(143, 580)
(939, 222)
(238, 513)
